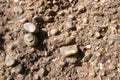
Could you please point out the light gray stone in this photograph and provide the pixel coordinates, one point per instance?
(69, 50)
(9, 60)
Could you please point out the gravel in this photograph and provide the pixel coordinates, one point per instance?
(69, 50)
(30, 27)
(87, 56)
(9, 60)
(30, 39)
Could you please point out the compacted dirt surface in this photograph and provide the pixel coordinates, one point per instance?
(75, 40)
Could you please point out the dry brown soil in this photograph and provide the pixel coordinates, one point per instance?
(92, 25)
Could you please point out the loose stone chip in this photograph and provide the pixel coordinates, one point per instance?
(29, 27)
(69, 50)
(30, 39)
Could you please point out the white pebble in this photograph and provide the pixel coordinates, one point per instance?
(88, 46)
(29, 27)
(9, 60)
(69, 50)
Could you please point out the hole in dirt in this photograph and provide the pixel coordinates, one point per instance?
(41, 37)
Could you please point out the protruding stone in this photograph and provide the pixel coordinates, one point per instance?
(111, 66)
(29, 27)
(30, 39)
(9, 60)
(71, 60)
(69, 50)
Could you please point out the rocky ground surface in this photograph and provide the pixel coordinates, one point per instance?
(59, 40)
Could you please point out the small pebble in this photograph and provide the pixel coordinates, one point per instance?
(97, 35)
(69, 50)
(71, 1)
(53, 32)
(9, 60)
(113, 28)
(29, 27)
(111, 66)
(88, 46)
(16, 1)
(17, 69)
(30, 39)
(98, 54)
(18, 10)
(87, 56)
(71, 60)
